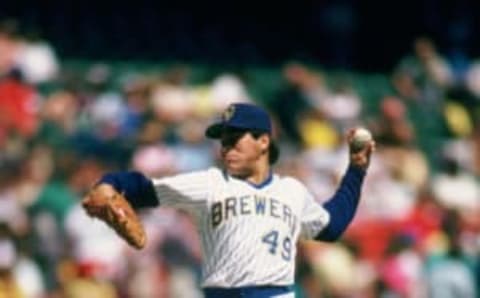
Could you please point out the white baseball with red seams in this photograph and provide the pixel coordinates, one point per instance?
(361, 137)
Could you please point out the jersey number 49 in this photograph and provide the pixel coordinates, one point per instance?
(272, 240)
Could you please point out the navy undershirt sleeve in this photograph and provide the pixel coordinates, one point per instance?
(343, 205)
(137, 188)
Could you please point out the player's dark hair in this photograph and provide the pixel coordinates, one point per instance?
(273, 151)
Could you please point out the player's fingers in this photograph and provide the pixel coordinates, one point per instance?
(86, 202)
(119, 214)
(91, 208)
(350, 134)
(362, 157)
(370, 148)
(366, 150)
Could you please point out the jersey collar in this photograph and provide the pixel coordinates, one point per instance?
(263, 184)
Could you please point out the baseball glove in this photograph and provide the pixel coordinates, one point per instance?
(105, 203)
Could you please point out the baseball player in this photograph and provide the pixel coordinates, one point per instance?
(249, 219)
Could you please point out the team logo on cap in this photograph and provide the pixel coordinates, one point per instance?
(228, 114)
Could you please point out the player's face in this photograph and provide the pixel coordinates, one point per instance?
(242, 152)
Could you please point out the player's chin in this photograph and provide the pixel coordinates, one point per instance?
(235, 170)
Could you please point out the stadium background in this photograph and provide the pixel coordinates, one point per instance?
(90, 87)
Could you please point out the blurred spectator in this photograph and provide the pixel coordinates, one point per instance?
(342, 106)
(56, 193)
(301, 85)
(428, 70)
(170, 99)
(19, 274)
(406, 88)
(397, 144)
(137, 96)
(334, 268)
(476, 149)
(451, 274)
(28, 274)
(320, 177)
(457, 120)
(401, 270)
(107, 115)
(151, 132)
(8, 46)
(317, 132)
(192, 151)
(36, 59)
(227, 89)
(174, 247)
(145, 280)
(422, 224)
(307, 285)
(96, 248)
(155, 159)
(12, 215)
(81, 269)
(393, 127)
(49, 211)
(18, 101)
(461, 150)
(455, 188)
(59, 113)
(387, 196)
(472, 79)
(9, 286)
(77, 282)
(18, 107)
(424, 78)
(105, 110)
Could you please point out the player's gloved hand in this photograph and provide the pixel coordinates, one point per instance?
(360, 149)
(105, 203)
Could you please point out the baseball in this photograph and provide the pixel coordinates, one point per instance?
(361, 136)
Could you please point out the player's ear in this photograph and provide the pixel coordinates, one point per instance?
(264, 142)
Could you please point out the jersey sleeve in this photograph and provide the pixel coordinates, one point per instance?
(314, 217)
(188, 191)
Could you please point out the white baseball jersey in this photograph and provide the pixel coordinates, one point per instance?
(248, 232)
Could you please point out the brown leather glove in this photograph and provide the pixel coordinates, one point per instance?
(105, 203)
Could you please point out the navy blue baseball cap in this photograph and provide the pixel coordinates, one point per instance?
(241, 116)
(246, 117)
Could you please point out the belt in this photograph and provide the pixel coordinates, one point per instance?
(266, 291)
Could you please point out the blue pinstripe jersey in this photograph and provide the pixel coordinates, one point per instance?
(248, 232)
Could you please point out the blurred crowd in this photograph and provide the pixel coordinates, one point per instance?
(416, 232)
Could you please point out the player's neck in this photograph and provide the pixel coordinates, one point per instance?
(259, 175)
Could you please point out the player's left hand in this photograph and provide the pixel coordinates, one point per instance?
(105, 203)
(360, 155)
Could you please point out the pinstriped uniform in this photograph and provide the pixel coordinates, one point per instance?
(248, 232)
